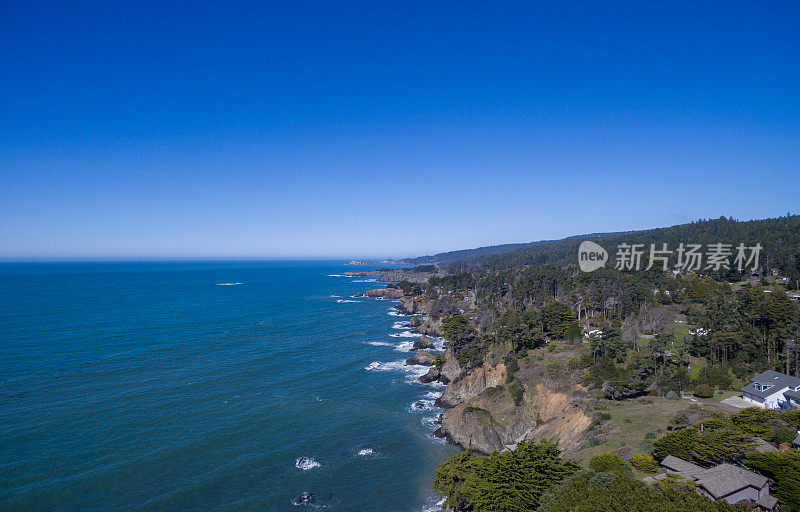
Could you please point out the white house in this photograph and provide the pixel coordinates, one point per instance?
(772, 390)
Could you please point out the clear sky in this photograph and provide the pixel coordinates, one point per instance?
(253, 129)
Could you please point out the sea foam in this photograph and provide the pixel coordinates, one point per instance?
(306, 463)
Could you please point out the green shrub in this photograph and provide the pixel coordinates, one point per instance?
(643, 462)
(704, 391)
(608, 463)
(785, 435)
(516, 390)
(679, 444)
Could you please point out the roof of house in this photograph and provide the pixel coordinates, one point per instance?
(726, 479)
(762, 446)
(767, 501)
(795, 395)
(777, 380)
(796, 441)
(682, 467)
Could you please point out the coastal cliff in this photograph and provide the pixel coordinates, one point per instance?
(488, 411)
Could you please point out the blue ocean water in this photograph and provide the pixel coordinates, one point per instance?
(147, 386)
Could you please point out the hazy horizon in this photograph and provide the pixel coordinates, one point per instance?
(333, 132)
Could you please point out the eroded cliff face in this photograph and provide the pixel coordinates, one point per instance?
(472, 384)
(487, 414)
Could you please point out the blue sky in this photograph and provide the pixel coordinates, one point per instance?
(253, 129)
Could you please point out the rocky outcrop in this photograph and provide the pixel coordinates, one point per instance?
(414, 305)
(423, 342)
(392, 276)
(492, 420)
(471, 384)
(431, 327)
(422, 358)
(386, 293)
(448, 372)
(431, 376)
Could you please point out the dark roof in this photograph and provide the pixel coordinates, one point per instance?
(682, 467)
(767, 501)
(725, 479)
(777, 380)
(796, 441)
(762, 446)
(795, 395)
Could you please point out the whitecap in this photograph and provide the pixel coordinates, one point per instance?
(405, 334)
(406, 346)
(335, 275)
(365, 452)
(432, 395)
(229, 284)
(364, 281)
(394, 312)
(306, 463)
(401, 324)
(422, 405)
(341, 301)
(431, 422)
(380, 344)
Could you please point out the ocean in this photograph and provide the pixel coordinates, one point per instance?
(155, 386)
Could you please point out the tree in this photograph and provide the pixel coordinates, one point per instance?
(511, 481)
(588, 491)
(451, 475)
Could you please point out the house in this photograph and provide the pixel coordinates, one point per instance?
(723, 482)
(796, 442)
(769, 390)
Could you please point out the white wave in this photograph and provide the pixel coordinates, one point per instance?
(334, 296)
(335, 275)
(401, 324)
(422, 405)
(432, 395)
(434, 507)
(365, 452)
(341, 301)
(306, 463)
(385, 367)
(380, 344)
(431, 422)
(229, 284)
(413, 372)
(405, 334)
(394, 312)
(406, 346)
(364, 281)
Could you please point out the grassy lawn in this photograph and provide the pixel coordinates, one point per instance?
(695, 364)
(633, 419)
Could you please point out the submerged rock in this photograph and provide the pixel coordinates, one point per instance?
(304, 499)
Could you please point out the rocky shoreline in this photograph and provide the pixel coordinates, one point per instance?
(484, 412)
